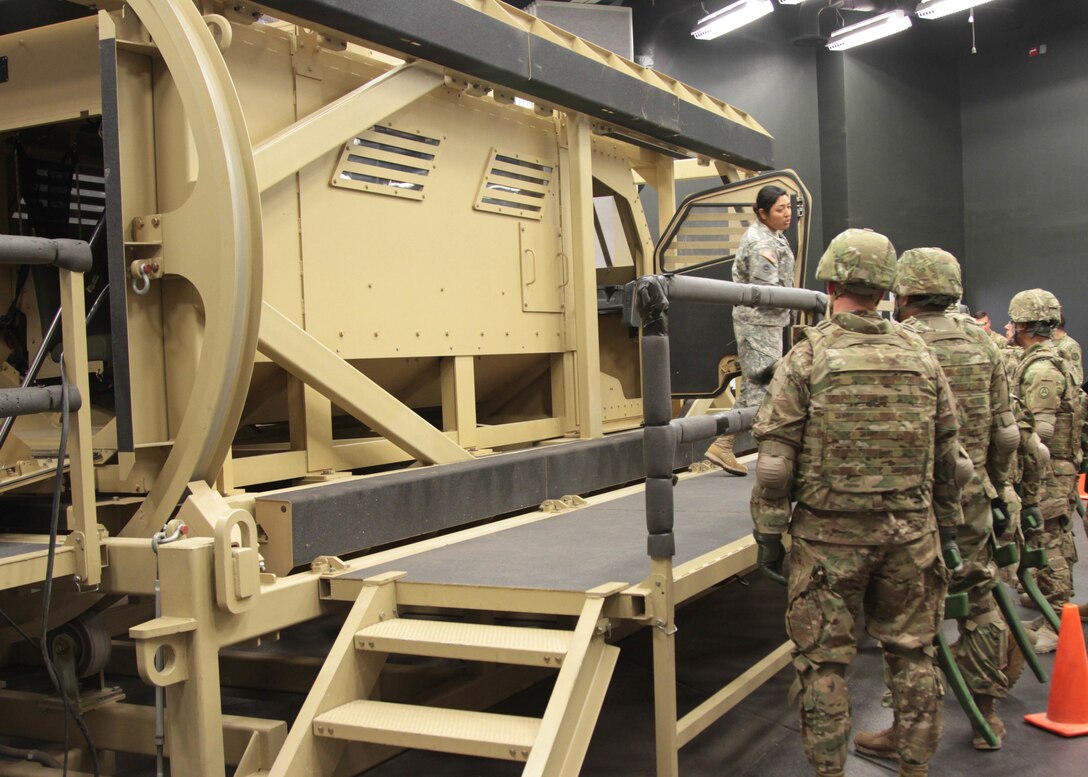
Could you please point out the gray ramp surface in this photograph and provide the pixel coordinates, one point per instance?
(9, 549)
(585, 548)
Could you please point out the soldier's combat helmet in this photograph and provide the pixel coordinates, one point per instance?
(928, 272)
(860, 260)
(1035, 305)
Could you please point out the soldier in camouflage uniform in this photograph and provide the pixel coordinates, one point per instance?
(764, 256)
(1070, 349)
(859, 430)
(927, 279)
(983, 320)
(1053, 403)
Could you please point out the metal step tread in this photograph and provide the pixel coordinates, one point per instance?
(446, 730)
(469, 641)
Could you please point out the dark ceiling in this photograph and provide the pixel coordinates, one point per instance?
(996, 18)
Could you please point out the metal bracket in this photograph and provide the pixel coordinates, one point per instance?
(237, 567)
(171, 636)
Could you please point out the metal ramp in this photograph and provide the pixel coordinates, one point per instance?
(342, 717)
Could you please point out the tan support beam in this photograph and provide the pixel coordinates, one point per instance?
(305, 357)
(459, 399)
(80, 455)
(703, 716)
(664, 644)
(587, 356)
(666, 191)
(296, 146)
(194, 723)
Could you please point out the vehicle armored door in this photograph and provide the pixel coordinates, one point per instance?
(701, 240)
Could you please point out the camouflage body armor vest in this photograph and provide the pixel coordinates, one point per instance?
(1069, 419)
(868, 441)
(969, 372)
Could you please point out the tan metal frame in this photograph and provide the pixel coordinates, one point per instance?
(213, 596)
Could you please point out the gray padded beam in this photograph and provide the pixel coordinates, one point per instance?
(460, 38)
(72, 255)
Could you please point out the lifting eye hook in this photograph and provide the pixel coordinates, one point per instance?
(141, 284)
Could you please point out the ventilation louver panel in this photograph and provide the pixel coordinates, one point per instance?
(515, 185)
(384, 160)
(709, 233)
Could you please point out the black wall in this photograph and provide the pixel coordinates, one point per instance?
(1025, 139)
(982, 154)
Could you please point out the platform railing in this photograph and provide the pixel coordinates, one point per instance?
(72, 258)
(650, 297)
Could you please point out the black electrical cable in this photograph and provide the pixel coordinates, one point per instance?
(47, 587)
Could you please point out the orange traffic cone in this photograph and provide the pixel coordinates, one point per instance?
(1067, 709)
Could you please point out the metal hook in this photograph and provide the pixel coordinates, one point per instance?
(142, 284)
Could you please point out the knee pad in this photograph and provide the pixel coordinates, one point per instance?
(774, 469)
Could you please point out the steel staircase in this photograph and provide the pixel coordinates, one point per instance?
(343, 727)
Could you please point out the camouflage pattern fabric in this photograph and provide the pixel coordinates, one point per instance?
(864, 534)
(758, 347)
(860, 260)
(1034, 305)
(982, 650)
(1070, 349)
(763, 257)
(1044, 384)
(976, 374)
(848, 476)
(900, 589)
(1056, 581)
(998, 340)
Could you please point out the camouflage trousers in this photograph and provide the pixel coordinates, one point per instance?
(901, 589)
(1056, 581)
(982, 651)
(758, 347)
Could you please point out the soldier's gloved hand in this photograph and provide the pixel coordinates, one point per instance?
(950, 551)
(771, 555)
(1031, 521)
(1000, 512)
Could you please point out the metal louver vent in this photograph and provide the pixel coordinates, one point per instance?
(514, 185)
(384, 160)
(711, 232)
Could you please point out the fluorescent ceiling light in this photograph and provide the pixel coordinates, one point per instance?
(935, 9)
(730, 18)
(798, 2)
(869, 30)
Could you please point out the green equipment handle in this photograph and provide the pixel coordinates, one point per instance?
(1012, 618)
(1035, 558)
(1006, 556)
(955, 679)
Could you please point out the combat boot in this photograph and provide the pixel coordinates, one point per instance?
(913, 770)
(879, 744)
(986, 707)
(1044, 639)
(721, 453)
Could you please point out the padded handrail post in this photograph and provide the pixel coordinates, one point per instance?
(659, 438)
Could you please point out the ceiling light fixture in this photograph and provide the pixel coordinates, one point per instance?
(730, 18)
(935, 9)
(869, 30)
(790, 2)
